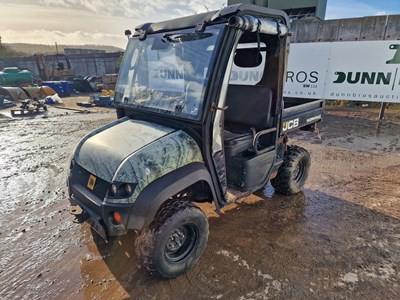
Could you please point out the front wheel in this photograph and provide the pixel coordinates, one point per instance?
(174, 241)
(293, 172)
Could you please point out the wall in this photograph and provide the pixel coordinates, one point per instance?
(355, 29)
(28, 63)
(82, 64)
(71, 51)
(94, 64)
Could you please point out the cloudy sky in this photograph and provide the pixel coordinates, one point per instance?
(104, 21)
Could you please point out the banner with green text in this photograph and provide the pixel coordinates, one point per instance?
(360, 70)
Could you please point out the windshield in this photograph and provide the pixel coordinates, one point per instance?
(167, 72)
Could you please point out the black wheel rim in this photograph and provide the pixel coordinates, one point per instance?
(181, 242)
(298, 171)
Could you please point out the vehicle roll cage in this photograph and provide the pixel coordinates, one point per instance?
(243, 16)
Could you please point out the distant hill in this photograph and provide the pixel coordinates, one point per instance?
(6, 51)
(30, 49)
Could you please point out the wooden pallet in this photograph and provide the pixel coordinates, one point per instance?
(23, 112)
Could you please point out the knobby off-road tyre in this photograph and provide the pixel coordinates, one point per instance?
(174, 241)
(293, 172)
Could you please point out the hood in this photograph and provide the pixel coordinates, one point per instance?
(102, 153)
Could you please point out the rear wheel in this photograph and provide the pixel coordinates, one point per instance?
(293, 172)
(174, 241)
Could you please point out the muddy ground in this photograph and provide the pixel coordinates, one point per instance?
(340, 238)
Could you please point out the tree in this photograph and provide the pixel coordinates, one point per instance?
(6, 51)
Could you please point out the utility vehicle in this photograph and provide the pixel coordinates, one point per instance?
(201, 118)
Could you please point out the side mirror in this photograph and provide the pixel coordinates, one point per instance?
(128, 33)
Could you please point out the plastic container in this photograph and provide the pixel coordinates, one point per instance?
(15, 77)
(63, 88)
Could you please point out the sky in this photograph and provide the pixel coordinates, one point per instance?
(103, 22)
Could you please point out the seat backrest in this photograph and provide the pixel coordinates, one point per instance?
(248, 106)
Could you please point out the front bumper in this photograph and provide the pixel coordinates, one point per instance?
(95, 208)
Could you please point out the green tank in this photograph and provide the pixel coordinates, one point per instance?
(14, 77)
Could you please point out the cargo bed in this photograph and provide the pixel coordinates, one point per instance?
(301, 113)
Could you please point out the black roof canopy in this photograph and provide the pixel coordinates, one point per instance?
(217, 16)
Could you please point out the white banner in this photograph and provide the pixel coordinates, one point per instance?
(365, 71)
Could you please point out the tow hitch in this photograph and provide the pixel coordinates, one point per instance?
(80, 215)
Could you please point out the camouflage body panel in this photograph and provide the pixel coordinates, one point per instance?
(158, 158)
(102, 151)
(134, 151)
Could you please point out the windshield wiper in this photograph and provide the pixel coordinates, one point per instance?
(185, 37)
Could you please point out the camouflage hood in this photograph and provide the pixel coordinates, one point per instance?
(135, 152)
(103, 152)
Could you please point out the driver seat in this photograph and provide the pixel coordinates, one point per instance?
(248, 112)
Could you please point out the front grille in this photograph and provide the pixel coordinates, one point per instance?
(81, 177)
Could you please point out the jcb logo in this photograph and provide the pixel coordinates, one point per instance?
(290, 124)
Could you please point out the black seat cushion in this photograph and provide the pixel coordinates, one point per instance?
(236, 143)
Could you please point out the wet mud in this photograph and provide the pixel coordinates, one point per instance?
(339, 238)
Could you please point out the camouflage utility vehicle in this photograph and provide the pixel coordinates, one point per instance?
(201, 118)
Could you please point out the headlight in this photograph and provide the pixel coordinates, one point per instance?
(128, 188)
(121, 190)
(113, 189)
